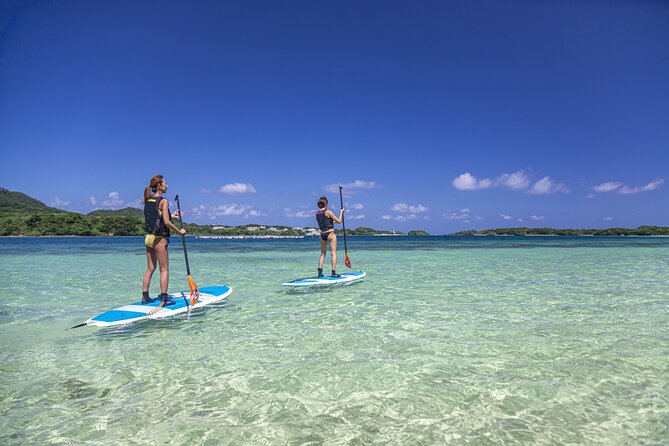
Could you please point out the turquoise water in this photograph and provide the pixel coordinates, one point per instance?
(447, 341)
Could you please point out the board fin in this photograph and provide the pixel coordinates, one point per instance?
(77, 326)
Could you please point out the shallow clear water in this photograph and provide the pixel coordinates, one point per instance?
(447, 341)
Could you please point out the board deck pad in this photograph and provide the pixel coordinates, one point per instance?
(137, 311)
(345, 278)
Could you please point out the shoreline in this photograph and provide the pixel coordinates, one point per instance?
(250, 236)
(315, 236)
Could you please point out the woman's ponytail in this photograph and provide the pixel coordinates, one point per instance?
(147, 193)
(152, 187)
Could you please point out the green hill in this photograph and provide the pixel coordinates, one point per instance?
(21, 215)
(18, 203)
(125, 212)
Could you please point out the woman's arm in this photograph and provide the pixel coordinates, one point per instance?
(166, 218)
(329, 213)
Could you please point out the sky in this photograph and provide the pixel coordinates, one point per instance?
(434, 115)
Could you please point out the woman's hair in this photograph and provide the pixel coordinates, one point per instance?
(152, 187)
(322, 202)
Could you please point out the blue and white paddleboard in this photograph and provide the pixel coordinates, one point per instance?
(345, 278)
(136, 312)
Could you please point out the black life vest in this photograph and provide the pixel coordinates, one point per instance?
(325, 223)
(153, 220)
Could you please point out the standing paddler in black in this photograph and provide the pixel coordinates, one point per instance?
(326, 220)
(158, 222)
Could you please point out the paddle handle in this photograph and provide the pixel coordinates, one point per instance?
(183, 237)
(343, 224)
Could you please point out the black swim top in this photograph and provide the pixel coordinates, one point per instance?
(153, 218)
(325, 223)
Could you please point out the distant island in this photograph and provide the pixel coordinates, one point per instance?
(641, 230)
(22, 215)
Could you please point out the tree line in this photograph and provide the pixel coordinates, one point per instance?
(641, 230)
(106, 224)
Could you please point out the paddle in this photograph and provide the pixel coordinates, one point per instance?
(194, 292)
(347, 261)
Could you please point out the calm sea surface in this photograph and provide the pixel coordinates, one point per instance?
(447, 341)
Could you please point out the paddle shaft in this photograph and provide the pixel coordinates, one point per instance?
(343, 224)
(183, 237)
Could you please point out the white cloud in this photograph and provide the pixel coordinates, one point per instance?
(403, 217)
(653, 185)
(407, 211)
(93, 200)
(225, 210)
(607, 187)
(357, 206)
(547, 186)
(537, 217)
(57, 202)
(198, 211)
(635, 190)
(467, 181)
(505, 217)
(299, 213)
(355, 217)
(206, 191)
(351, 188)
(624, 189)
(253, 214)
(114, 201)
(607, 218)
(514, 181)
(462, 215)
(138, 203)
(237, 189)
(404, 207)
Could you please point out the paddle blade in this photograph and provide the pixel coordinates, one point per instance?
(347, 261)
(194, 292)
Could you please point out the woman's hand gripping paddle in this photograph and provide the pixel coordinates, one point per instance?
(347, 261)
(194, 292)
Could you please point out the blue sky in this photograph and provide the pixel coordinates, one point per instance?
(439, 115)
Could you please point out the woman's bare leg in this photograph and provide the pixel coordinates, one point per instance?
(333, 250)
(163, 262)
(150, 268)
(323, 251)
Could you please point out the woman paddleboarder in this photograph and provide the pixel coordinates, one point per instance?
(326, 220)
(157, 222)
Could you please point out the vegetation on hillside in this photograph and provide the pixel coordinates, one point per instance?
(21, 215)
(125, 212)
(20, 203)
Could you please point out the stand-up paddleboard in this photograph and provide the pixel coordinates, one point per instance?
(345, 278)
(136, 312)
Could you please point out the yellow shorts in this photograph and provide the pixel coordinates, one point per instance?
(151, 239)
